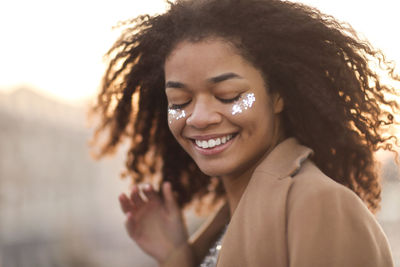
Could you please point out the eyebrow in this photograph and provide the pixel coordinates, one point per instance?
(224, 77)
(171, 84)
(214, 80)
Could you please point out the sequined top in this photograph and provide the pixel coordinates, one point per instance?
(210, 260)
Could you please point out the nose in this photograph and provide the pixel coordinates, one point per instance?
(203, 115)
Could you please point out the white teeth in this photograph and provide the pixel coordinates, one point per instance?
(213, 142)
(204, 144)
(198, 143)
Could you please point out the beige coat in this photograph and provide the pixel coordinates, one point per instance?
(291, 214)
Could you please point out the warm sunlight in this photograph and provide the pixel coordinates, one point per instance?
(57, 47)
(61, 207)
(375, 20)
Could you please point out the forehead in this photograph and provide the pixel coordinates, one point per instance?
(206, 57)
(203, 46)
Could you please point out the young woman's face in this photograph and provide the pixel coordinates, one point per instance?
(218, 107)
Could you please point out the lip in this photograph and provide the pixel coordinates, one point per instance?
(215, 150)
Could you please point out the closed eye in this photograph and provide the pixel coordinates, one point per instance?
(179, 106)
(229, 100)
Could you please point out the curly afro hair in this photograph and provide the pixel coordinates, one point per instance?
(334, 100)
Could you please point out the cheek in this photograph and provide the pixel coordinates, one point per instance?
(243, 109)
(251, 112)
(176, 121)
(244, 104)
(175, 115)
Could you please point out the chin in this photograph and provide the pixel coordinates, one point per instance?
(214, 172)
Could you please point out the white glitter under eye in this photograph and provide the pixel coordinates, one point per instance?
(175, 114)
(244, 104)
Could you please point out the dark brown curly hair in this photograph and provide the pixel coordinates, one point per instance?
(334, 101)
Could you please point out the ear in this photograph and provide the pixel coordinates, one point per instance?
(278, 103)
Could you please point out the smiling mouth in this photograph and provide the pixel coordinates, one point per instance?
(213, 142)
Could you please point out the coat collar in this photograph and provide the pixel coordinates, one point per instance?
(261, 208)
(284, 160)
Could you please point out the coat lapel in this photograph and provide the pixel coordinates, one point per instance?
(257, 230)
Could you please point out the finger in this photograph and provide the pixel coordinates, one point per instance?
(135, 197)
(169, 197)
(125, 203)
(130, 224)
(150, 193)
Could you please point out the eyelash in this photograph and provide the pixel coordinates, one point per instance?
(230, 100)
(179, 106)
(223, 100)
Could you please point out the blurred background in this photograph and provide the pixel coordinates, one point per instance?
(58, 207)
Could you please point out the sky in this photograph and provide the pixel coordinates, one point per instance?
(57, 47)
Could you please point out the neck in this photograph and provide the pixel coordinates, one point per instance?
(235, 185)
(234, 188)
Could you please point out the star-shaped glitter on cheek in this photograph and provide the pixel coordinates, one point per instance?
(174, 114)
(244, 104)
(236, 109)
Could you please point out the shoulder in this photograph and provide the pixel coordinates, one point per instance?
(312, 188)
(316, 198)
(329, 225)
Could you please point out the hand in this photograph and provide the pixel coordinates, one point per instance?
(156, 225)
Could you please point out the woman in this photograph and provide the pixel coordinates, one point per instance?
(269, 106)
